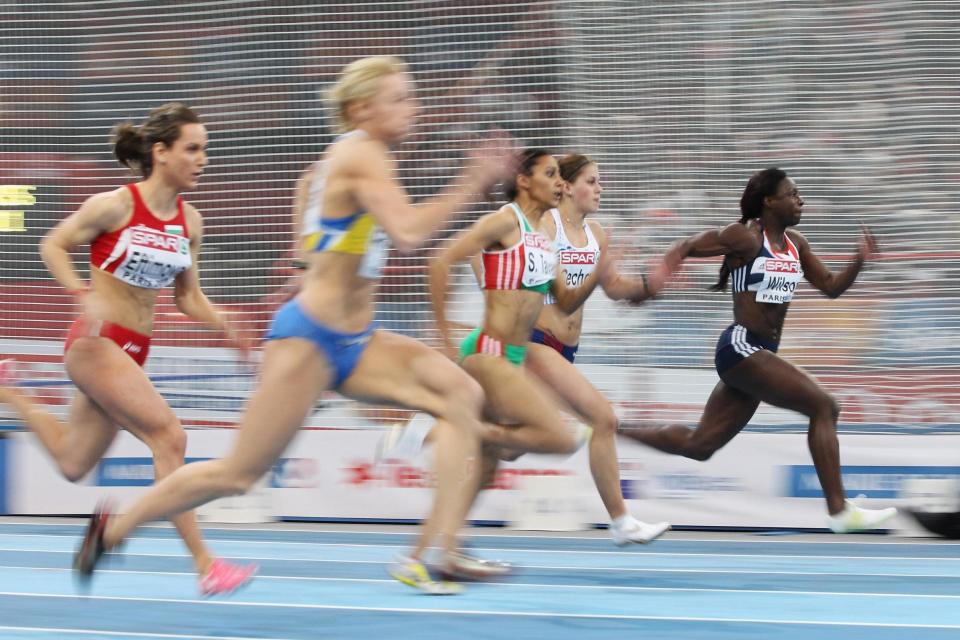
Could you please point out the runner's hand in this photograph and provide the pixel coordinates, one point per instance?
(868, 245)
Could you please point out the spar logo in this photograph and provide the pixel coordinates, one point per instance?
(578, 257)
(145, 237)
(782, 266)
(537, 241)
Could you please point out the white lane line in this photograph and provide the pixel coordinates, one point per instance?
(830, 538)
(633, 554)
(540, 566)
(494, 612)
(532, 585)
(126, 634)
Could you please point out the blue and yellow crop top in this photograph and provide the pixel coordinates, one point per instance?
(356, 234)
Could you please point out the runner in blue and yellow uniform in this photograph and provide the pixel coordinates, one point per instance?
(325, 337)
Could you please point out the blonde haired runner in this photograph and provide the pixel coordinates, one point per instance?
(325, 337)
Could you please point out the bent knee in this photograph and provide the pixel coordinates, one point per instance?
(606, 422)
(700, 450)
(233, 480)
(464, 394)
(75, 472)
(699, 453)
(828, 407)
(509, 455)
(240, 484)
(834, 408)
(168, 442)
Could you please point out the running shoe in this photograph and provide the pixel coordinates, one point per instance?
(584, 436)
(854, 518)
(92, 548)
(414, 573)
(637, 532)
(224, 578)
(946, 524)
(402, 442)
(463, 566)
(387, 444)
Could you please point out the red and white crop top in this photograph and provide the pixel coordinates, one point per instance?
(529, 264)
(147, 252)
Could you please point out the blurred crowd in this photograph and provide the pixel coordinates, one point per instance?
(679, 101)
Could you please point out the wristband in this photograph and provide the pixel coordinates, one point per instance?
(646, 285)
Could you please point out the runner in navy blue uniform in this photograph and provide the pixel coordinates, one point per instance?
(766, 258)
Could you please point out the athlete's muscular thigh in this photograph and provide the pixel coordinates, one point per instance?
(111, 378)
(514, 396)
(573, 389)
(771, 379)
(400, 370)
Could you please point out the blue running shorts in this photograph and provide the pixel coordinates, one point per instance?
(342, 350)
(736, 344)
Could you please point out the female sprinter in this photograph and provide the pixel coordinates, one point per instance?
(767, 258)
(143, 237)
(579, 244)
(325, 339)
(518, 268)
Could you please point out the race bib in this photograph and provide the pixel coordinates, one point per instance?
(780, 279)
(541, 260)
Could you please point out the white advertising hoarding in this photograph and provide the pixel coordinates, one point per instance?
(758, 480)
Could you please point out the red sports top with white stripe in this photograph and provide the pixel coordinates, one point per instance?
(147, 252)
(530, 264)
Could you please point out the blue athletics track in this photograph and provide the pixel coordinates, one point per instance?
(329, 581)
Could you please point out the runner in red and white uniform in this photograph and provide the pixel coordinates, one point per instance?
(579, 245)
(517, 269)
(143, 237)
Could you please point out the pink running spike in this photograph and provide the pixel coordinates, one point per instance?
(223, 577)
